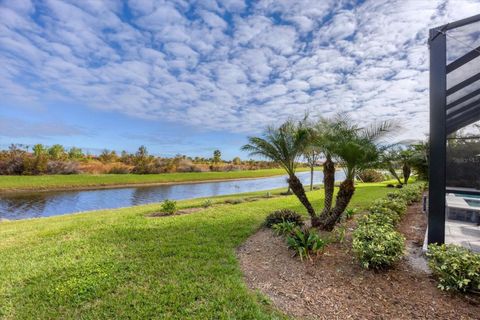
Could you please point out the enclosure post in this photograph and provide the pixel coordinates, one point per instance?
(438, 152)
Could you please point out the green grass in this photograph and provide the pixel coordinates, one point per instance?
(9, 183)
(120, 264)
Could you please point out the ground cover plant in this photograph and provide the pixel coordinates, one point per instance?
(119, 263)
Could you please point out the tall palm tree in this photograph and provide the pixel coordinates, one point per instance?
(284, 145)
(356, 148)
(406, 159)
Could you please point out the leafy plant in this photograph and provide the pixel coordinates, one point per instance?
(169, 206)
(207, 203)
(349, 212)
(306, 242)
(339, 233)
(377, 246)
(383, 214)
(397, 205)
(456, 267)
(282, 215)
(284, 228)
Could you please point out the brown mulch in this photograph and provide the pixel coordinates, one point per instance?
(178, 213)
(334, 286)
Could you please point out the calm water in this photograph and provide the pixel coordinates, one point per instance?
(44, 204)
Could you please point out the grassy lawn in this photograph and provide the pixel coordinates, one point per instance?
(8, 183)
(119, 264)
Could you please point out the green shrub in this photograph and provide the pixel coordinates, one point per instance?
(207, 203)
(388, 214)
(371, 175)
(305, 242)
(456, 267)
(339, 233)
(282, 215)
(378, 219)
(169, 206)
(349, 213)
(284, 228)
(377, 246)
(397, 205)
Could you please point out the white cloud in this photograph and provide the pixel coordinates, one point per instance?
(223, 65)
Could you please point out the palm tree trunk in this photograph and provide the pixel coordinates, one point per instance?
(297, 189)
(328, 184)
(406, 172)
(311, 177)
(394, 174)
(345, 194)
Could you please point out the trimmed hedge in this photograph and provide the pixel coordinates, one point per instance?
(376, 243)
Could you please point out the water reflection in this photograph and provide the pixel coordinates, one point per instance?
(32, 205)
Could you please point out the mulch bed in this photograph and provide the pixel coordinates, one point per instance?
(178, 213)
(334, 286)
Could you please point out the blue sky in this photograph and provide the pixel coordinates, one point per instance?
(192, 76)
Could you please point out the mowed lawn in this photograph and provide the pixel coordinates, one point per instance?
(120, 264)
(47, 182)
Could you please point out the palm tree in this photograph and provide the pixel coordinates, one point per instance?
(406, 159)
(389, 160)
(322, 139)
(284, 145)
(355, 148)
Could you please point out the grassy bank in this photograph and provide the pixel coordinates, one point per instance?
(121, 264)
(80, 181)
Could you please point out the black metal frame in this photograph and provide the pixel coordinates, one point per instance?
(446, 119)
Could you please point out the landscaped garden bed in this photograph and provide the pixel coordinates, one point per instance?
(335, 285)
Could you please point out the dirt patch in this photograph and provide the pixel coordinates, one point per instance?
(178, 213)
(336, 287)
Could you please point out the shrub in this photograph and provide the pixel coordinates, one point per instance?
(339, 233)
(119, 169)
(62, 167)
(456, 267)
(379, 219)
(279, 216)
(397, 205)
(377, 246)
(284, 228)
(305, 242)
(349, 212)
(371, 175)
(207, 203)
(384, 214)
(169, 206)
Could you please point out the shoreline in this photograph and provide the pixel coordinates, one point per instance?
(125, 185)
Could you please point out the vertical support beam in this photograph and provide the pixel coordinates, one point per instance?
(438, 148)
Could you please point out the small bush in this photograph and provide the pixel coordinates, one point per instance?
(456, 268)
(284, 228)
(169, 206)
(377, 246)
(339, 233)
(379, 219)
(119, 169)
(371, 175)
(305, 242)
(390, 185)
(397, 205)
(279, 216)
(207, 203)
(349, 213)
(384, 214)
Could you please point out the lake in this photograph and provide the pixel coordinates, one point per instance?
(44, 204)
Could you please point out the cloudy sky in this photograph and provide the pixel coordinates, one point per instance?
(191, 76)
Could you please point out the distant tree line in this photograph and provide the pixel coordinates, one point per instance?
(39, 159)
